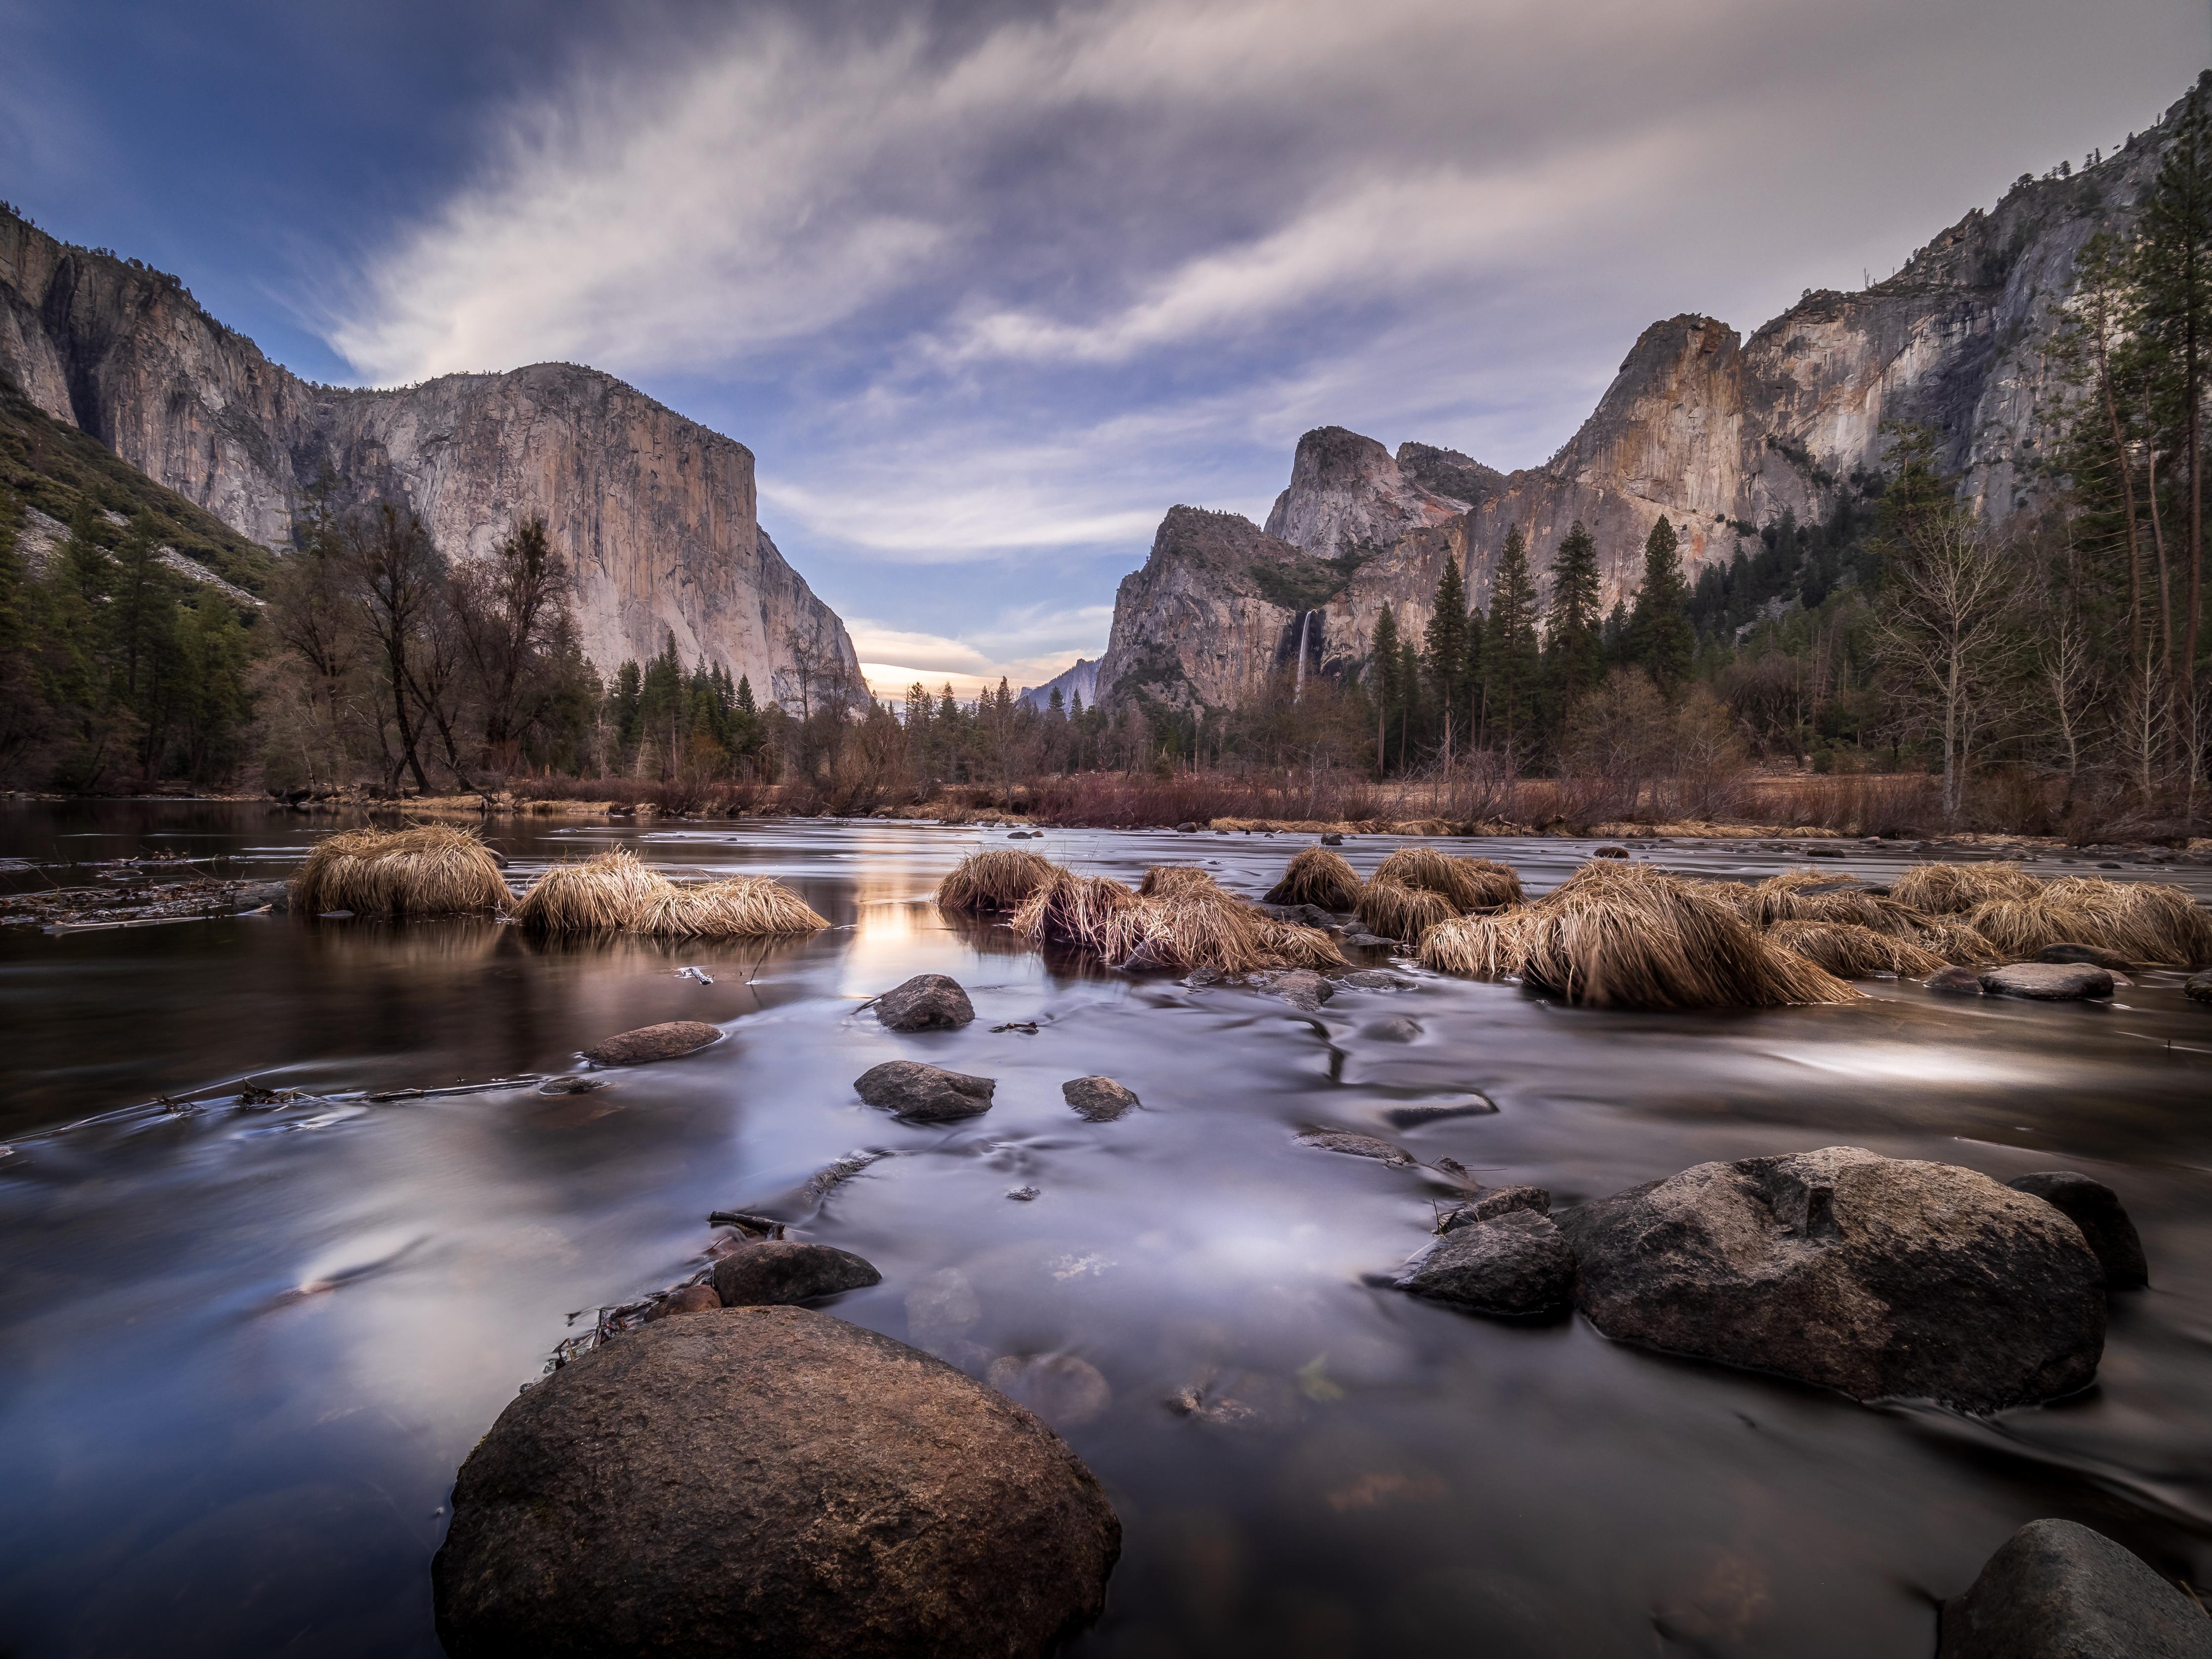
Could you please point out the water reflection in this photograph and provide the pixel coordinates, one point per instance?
(241, 1353)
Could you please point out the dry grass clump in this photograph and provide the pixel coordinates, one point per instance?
(1811, 895)
(996, 879)
(1320, 876)
(1188, 927)
(2020, 926)
(1628, 936)
(605, 894)
(745, 906)
(2146, 921)
(1071, 910)
(1162, 879)
(1287, 945)
(1851, 951)
(1469, 883)
(1403, 913)
(1945, 889)
(429, 870)
(1956, 939)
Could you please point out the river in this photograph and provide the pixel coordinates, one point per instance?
(243, 1352)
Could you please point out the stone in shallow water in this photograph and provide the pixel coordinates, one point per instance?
(2199, 988)
(782, 1270)
(1099, 1098)
(929, 1093)
(2048, 982)
(1877, 1276)
(762, 1482)
(1301, 987)
(1955, 981)
(1351, 1145)
(667, 1041)
(2096, 955)
(2057, 1590)
(1516, 1263)
(1401, 1028)
(1496, 1202)
(2096, 1209)
(1412, 1117)
(1066, 1391)
(928, 1002)
(690, 1299)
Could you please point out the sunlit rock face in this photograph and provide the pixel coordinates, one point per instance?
(1718, 434)
(657, 513)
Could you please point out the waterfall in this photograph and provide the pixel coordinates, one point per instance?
(1298, 687)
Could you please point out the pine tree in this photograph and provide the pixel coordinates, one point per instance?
(745, 705)
(1574, 645)
(1660, 637)
(1383, 680)
(1511, 657)
(1444, 642)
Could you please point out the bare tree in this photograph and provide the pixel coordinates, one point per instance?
(395, 571)
(510, 609)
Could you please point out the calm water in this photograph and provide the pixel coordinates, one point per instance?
(241, 1353)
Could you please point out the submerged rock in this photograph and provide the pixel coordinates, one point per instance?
(1064, 1390)
(762, 1482)
(1955, 981)
(1372, 979)
(1878, 1277)
(1412, 1117)
(2096, 1209)
(1099, 1098)
(2048, 982)
(1351, 1145)
(2096, 955)
(1400, 1028)
(928, 1002)
(1517, 1263)
(1498, 1201)
(2057, 1590)
(781, 1270)
(1301, 987)
(927, 1092)
(668, 1040)
(2199, 988)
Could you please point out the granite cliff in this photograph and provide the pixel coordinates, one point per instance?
(656, 515)
(1719, 434)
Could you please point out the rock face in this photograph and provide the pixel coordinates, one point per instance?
(781, 1270)
(2057, 1590)
(1878, 1277)
(1518, 1263)
(667, 1041)
(1718, 434)
(762, 1482)
(928, 1002)
(927, 1092)
(2096, 1209)
(657, 515)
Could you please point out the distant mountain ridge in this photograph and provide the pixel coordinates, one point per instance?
(1717, 433)
(658, 514)
(1080, 680)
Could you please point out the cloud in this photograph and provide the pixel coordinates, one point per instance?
(1026, 646)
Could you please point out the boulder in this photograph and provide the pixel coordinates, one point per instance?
(928, 1002)
(1336, 1140)
(1301, 987)
(2057, 1590)
(781, 1270)
(1878, 1277)
(1955, 981)
(1517, 1263)
(762, 1482)
(667, 1041)
(2096, 1209)
(1494, 1203)
(2048, 982)
(689, 1299)
(1099, 1098)
(927, 1092)
(2096, 955)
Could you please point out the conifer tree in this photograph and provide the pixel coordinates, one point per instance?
(1444, 653)
(1660, 637)
(1574, 646)
(1383, 680)
(1511, 657)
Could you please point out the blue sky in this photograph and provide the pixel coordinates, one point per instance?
(986, 288)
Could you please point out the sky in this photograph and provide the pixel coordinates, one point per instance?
(987, 288)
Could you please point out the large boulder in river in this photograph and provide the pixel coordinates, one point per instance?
(929, 1093)
(667, 1041)
(780, 1270)
(2057, 1590)
(928, 1002)
(1877, 1276)
(762, 1482)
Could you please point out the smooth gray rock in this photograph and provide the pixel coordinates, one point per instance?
(1878, 1277)
(2057, 1590)
(2048, 982)
(2096, 1209)
(1099, 1098)
(1494, 1203)
(1517, 1263)
(1399, 1028)
(762, 1482)
(1351, 1145)
(927, 1092)
(669, 1040)
(782, 1270)
(1301, 987)
(1372, 979)
(928, 1002)
(1955, 981)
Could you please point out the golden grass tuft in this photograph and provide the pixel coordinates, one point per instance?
(745, 906)
(428, 870)
(605, 894)
(2020, 926)
(1165, 879)
(1946, 889)
(2145, 921)
(1812, 895)
(1478, 947)
(1071, 910)
(1187, 928)
(1403, 913)
(1319, 876)
(1288, 944)
(1851, 951)
(1469, 883)
(1956, 939)
(996, 879)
